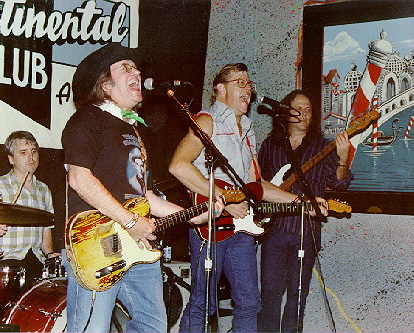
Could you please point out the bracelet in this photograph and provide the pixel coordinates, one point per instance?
(131, 223)
(48, 254)
(342, 165)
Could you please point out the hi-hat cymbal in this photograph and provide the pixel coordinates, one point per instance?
(18, 215)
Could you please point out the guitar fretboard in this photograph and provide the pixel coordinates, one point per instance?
(179, 217)
(275, 208)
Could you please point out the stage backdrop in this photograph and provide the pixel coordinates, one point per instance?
(42, 42)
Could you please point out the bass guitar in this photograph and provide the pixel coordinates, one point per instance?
(101, 251)
(254, 222)
(354, 127)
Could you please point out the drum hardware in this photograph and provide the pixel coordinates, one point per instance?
(10, 274)
(52, 315)
(53, 268)
(12, 280)
(15, 304)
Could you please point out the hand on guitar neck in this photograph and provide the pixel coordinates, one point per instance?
(239, 208)
(323, 207)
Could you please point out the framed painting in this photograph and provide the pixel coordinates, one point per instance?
(358, 64)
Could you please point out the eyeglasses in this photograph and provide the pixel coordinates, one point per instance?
(242, 83)
(127, 68)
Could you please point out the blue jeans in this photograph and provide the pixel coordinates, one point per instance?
(236, 257)
(140, 291)
(280, 272)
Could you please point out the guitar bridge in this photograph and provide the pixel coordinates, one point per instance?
(109, 269)
(111, 245)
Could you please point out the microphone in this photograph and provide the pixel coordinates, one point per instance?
(151, 84)
(274, 104)
(284, 110)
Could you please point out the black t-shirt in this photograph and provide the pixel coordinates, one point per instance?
(109, 147)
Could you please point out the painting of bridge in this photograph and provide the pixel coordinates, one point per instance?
(362, 72)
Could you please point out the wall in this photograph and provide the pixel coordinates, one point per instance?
(367, 259)
(262, 34)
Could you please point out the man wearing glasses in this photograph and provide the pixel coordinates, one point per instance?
(101, 147)
(232, 133)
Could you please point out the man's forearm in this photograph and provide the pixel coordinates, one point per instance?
(92, 191)
(272, 193)
(47, 242)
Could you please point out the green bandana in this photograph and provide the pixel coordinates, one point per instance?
(133, 115)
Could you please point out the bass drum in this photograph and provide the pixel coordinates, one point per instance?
(42, 308)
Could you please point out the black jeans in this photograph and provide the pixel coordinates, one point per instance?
(280, 273)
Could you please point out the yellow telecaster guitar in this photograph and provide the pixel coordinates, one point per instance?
(101, 251)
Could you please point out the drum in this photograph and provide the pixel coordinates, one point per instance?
(53, 268)
(41, 308)
(12, 278)
(11, 281)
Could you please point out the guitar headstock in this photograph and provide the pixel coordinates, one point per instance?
(233, 195)
(338, 207)
(362, 122)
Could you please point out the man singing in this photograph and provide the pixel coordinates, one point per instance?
(232, 133)
(105, 157)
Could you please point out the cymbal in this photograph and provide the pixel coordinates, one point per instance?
(18, 215)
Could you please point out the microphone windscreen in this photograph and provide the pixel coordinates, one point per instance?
(148, 84)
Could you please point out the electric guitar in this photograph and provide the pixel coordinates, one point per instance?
(354, 127)
(101, 252)
(254, 222)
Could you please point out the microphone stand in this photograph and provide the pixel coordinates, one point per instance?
(306, 195)
(208, 262)
(214, 157)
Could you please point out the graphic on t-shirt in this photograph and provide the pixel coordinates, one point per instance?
(135, 170)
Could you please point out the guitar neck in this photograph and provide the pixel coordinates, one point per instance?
(295, 207)
(354, 127)
(179, 217)
(278, 208)
(287, 184)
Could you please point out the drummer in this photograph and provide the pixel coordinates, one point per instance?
(25, 246)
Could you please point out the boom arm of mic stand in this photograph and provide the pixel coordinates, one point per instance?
(212, 149)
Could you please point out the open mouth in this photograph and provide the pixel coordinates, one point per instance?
(134, 85)
(245, 99)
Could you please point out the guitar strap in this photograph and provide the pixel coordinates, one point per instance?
(256, 169)
(144, 155)
(66, 197)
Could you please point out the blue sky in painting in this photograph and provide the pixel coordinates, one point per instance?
(345, 44)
